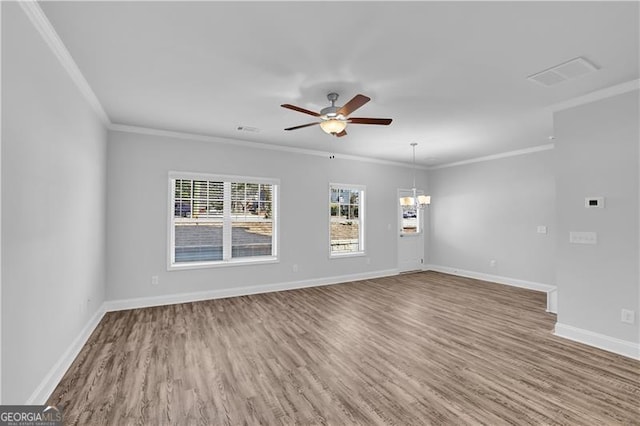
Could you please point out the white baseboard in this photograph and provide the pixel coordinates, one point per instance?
(51, 380)
(170, 299)
(514, 282)
(551, 290)
(552, 301)
(601, 341)
(611, 344)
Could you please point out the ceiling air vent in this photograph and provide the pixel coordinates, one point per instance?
(248, 129)
(565, 71)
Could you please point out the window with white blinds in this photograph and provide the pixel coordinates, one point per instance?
(219, 220)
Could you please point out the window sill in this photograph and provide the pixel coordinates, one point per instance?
(342, 255)
(223, 263)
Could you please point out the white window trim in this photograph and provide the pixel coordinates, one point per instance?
(361, 217)
(244, 261)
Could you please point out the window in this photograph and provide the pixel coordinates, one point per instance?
(410, 216)
(218, 220)
(346, 219)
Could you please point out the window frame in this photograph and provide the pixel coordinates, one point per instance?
(362, 189)
(226, 220)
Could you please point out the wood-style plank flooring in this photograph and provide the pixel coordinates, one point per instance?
(424, 348)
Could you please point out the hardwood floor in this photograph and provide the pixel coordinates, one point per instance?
(424, 348)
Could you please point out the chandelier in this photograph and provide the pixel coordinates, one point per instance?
(418, 201)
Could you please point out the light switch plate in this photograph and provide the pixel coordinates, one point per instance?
(583, 237)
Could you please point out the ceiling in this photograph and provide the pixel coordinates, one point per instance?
(452, 75)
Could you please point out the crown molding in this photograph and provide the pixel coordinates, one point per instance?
(244, 143)
(50, 36)
(597, 95)
(577, 101)
(497, 156)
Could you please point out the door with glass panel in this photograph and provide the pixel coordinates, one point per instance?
(410, 234)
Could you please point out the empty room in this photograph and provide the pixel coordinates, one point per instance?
(320, 213)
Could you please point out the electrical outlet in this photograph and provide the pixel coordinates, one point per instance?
(493, 263)
(627, 316)
(154, 280)
(594, 202)
(295, 267)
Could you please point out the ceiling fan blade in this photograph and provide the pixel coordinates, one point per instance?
(296, 108)
(381, 121)
(302, 125)
(341, 134)
(353, 104)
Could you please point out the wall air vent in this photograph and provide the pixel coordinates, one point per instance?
(565, 71)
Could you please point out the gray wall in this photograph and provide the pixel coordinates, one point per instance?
(63, 187)
(53, 208)
(137, 205)
(490, 210)
(597, 155)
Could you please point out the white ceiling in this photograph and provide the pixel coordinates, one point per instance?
(452, 75)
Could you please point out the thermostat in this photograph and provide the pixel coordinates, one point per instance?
(594, 202)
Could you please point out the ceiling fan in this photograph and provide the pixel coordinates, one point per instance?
(334, 119)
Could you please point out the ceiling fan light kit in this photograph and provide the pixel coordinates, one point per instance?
(334, 119)
(333, 125)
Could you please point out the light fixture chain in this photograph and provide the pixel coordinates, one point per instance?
(413, 144)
